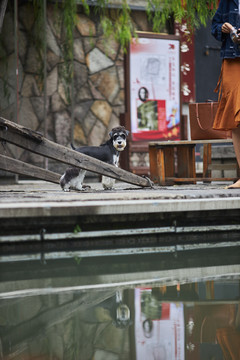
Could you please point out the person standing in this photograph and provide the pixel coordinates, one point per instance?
(226, 28)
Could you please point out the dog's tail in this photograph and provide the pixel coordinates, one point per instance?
(73, 147)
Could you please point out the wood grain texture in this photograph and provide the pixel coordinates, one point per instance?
(19, 167)
(38, 144)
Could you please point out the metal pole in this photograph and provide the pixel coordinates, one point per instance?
(16, 110)
(16, 58)
(72, 106)
(72, 94)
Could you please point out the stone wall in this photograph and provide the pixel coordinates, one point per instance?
(98, 83)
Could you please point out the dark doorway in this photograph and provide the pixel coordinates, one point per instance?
(207, 63)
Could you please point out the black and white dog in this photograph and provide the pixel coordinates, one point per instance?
(108, 152)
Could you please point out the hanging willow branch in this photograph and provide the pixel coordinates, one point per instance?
(69, 21)
(121, 27)
(193, 12)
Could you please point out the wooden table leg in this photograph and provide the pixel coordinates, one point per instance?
(207, 160)
(161, 163)
(153, 163)
(161, 167)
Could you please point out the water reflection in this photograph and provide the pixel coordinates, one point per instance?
(120, 309)
(205, 328)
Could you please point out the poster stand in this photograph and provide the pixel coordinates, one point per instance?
(152, 94)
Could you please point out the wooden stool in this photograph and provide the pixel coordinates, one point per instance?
(162, 161)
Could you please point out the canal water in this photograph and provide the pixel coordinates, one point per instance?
(163, 305)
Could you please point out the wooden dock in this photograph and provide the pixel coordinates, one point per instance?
(38, 217)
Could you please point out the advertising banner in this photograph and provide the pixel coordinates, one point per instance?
(155, 88)
(159, 328)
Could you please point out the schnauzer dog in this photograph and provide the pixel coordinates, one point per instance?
(108, 152)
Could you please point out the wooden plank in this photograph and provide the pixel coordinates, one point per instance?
(188, 142)
(186, 161)
(230, 166)
(36, 143)
(195, 179)
(19, 167)
(193, 160)
(157, 165)
(153, 164)
(169, 162)
(207, 159)
(161, 166)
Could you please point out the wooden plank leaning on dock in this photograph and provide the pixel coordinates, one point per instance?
(38, 144)
(21, 168)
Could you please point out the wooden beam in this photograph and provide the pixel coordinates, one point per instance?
(226, 166)
(38, 144)
(202, 179)
(19, 167)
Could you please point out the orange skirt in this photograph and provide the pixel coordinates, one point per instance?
(228, 113)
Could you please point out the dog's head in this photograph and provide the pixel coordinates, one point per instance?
(119, 137)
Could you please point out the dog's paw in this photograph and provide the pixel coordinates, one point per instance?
(86, 187)
(107, 187)
(66, 189)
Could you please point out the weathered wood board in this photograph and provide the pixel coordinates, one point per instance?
(19, 167)
(38, 144)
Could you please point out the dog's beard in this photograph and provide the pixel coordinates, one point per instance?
(119, 147)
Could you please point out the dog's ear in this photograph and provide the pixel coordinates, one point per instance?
(110, 134)
(127, 132)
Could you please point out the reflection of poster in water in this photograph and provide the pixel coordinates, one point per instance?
(159, 328)
(155, 88)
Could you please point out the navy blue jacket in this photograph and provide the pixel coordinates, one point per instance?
(227, 12)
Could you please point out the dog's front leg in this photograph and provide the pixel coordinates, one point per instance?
(107, 182)
(77, 183)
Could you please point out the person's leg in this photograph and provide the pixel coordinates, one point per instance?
(236, 144)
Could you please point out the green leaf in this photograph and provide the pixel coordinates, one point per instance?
(77, 229)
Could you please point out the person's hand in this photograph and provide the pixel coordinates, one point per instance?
(227, 28)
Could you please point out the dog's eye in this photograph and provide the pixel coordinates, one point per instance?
(121, 136)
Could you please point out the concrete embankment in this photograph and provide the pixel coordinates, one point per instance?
(38, 216)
